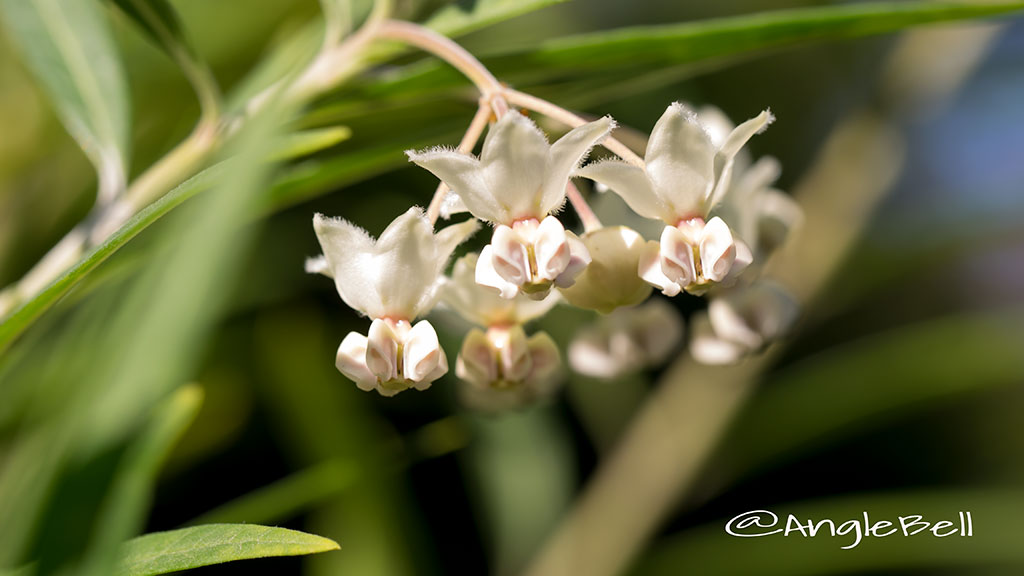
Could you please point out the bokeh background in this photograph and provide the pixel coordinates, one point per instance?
(900, 391)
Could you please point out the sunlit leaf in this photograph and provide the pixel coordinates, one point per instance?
(164, 552)
(68, 46)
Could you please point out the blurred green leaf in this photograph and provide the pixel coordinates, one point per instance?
(68, 46)
(843, 391)
(164, 552)
(708, 550)
(124, 509)
(160, 21)
(308, 142)
(627, 52)
(455, 19)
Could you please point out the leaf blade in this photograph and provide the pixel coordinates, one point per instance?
(174, 550)
(69, 48)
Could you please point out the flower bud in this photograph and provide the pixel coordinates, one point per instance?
(610, 281)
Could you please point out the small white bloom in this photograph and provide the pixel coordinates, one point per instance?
(504, 369)
(627, 340)
(516, 183)
(482, 306)
(610, 281)
(687, 170)
(393, 280)
(742, 320)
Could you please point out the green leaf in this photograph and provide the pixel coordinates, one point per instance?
(455, 20)
(125, 506)
(628, 52)
(309, 142)
(164, 552)
(160, 21)
(68, 46)
(841, 392)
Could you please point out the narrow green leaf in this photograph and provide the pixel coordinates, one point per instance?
(842, 392)
(164, 552)
(627, 52)
(160, 21)
(309, 142)
(456, 20)
(68, 46)
(127, 502)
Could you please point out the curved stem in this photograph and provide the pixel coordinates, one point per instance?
(444, 48)
(564, 116)
(590, 220)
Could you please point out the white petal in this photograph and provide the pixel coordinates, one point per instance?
(677, 256)
(588, 355)
(487, 276)
(464, 174)
(509, 256)
(406, 264)
(318, 265)
(744, 132)
(779, 214)
(351, 361)
(717, 124)
(513, 353)
(545, 362)
(681, 160)
(707, 348)
(449, 238)
(649, 268)
(421, 352)
(440, 370)
(551, 249)
(730, 323)
(744, 258)
(452, 205)
(717, 250)
(477, 362)
(349, 252)
(579, 259)
(382, 351)
(515, 159)
(632, 184)
(566, 154)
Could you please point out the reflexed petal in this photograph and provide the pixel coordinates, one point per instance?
(464, 174)
(405, 264)
(677, 257)
(632, 184)
(545, 360)
(731, 323)
(744, 132)
(649, 268)
(452, 205)
(515, 160)
(681, 159)
(707, 348)
(318, 265)
(744, 258)
(509, 256)
(717, 124)
(478, 361)
(566, 154)
(551, 248)
(421, 352)
(487, 276)
(513, 353)
(579, 259)
(351, 361)
(382, 351)
(717, 250)
(440, 370)
(348, 250)
(449, 238)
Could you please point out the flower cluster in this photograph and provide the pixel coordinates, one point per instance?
(720, 219)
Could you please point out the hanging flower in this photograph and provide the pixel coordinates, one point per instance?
(627, 340)
(517, 182)
(687, 170)
(501, 360)
(610, 281)
(393, 280)
(741, 321)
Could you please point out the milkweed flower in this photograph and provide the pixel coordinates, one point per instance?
(501, 360)
(610, 280)
(687, 170)
(516, 183)
(393, 280)
(627, 340)
(742, 321)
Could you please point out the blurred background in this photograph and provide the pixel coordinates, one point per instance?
(904, 377)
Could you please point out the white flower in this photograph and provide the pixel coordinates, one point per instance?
(393, 280)
(742, 320)
(516, 183)
(687, 170)
(627, 340)
(482, 306)
(502, 359)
